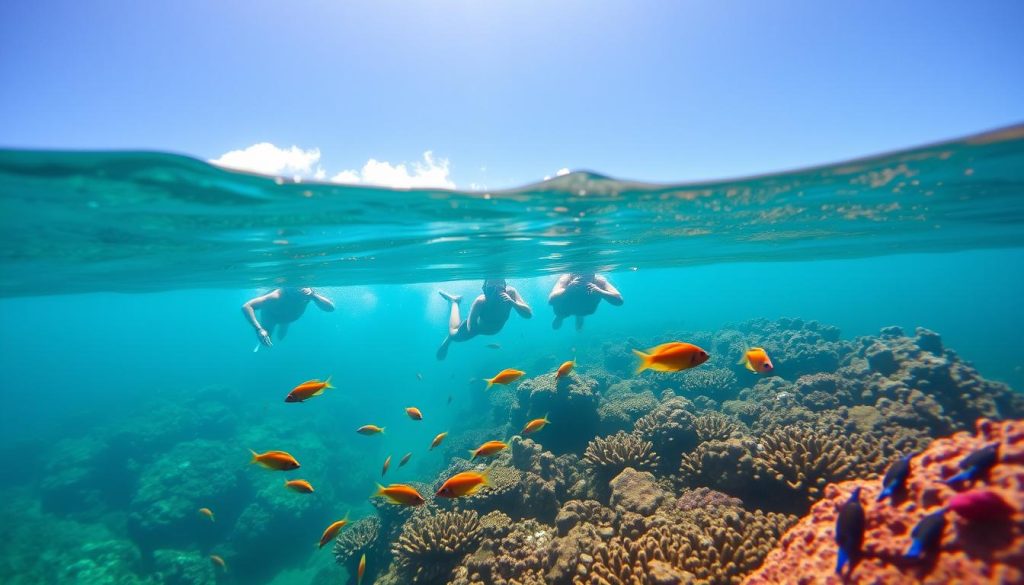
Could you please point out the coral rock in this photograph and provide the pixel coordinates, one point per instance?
(636, 491)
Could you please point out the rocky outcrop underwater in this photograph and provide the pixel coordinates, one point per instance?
(696, 476)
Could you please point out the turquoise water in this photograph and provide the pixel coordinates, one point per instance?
(132, 391)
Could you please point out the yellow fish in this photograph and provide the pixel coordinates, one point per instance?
(401, 494)
(535, 425)
(369, 430)
(437, 440)
(414, 413)
(466, 483)
(361, 570)
(333, 531)
(219, 561)
(671, 357)
(506, 376)
(276, 460)
(756, 360)
(564, 369)
(387, 464)
(299, 485)
(308, 389)
(207, 512)
(488, 449)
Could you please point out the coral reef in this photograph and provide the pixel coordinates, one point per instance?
(636, 491)
(623, 403)
(988, 552)
(609, 456)
(430, 546)
(573, 400)
(671, 428)
(715, 426)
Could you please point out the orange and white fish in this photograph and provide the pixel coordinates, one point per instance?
(308, 389)
(361, 570)
(401, 494)
(217, 560)
(564, 369)
(369, 430)
(276, 460)
(466, 483)
(299, 485)
(405, 459)
(506, 376)
(671, 357)
(414, 413)
(387, 464)
(333, 530)
(535, 425)
(756, 360)
(207, 512)
(488, 449)
(437, 440)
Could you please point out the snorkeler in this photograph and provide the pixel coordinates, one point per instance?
(279, 308)
(487, 315)
(579, 295)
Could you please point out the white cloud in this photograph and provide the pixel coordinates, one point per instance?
(429, 173)
(268, 159)
(558, 173)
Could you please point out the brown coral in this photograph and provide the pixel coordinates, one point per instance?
(970, 553)
(430, 546)
(670, 428)
(608, 456)
(805, 459)
(715, 426)
(727, 466)
(358, 537)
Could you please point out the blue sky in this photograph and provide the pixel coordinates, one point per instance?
(506, 92)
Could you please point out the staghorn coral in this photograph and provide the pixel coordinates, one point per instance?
(990, 552)
(670, 428)
(715, 546)
(715, 426)
(608, 456)
(430, 546)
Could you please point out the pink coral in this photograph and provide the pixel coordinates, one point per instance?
(969, 552)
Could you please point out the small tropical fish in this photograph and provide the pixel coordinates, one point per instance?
(976, 464)
(387, 464)
(299, 485)
(671, 357)
(217, 560)
(405, 459)
(333, 530)
(369, 430)
(419, 376)
(895, 477)
(207, 512)
(756, 360)
(980, 506)
(535, 425)
(401, 494)
(564, 369)
(506, 376)
(493, 346)
(466, 483)
(849, 531)
(308, 389)
(276, 460)
(449, 399)
(926, 536)
(414, 413)
(437, 440)
(488, 449)
(361, 570)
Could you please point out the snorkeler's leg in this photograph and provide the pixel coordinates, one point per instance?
(442, 352)
(579, 322)
(282, 332)
(557, 323)
(454, 316)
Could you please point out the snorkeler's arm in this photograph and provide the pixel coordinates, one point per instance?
(559, 289)
(249, 308)
(323, 302)
(608, 291)
(519, 304)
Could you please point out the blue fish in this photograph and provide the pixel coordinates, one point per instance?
(976, 464)
(895, 477)
(849, 531)
(927, 534)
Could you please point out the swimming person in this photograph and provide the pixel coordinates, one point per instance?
(579, 295)
(487, 315)
(279, 308)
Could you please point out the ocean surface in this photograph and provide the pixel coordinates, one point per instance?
(126, 363)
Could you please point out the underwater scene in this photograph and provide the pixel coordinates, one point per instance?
(805, 377)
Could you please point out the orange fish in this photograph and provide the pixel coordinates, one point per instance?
(564, 369)
(276, 460)
(506, 376)
(333, 530)
(414, 413)
(488, 449)
(535, 425)
(466, 483)
(217, 560)
(401, 494)
(308, 389)
(437, 440)
(299, 485)
(671, 357)
(207, 512)
(756, 360)
(387, 464)
(361, 570)
(405, 459)
(369, 430)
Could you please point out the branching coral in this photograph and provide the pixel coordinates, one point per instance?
(608, 456)
(355, 539)
(727, 466)
(805, 459)
(431, 546)
(715, 426)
